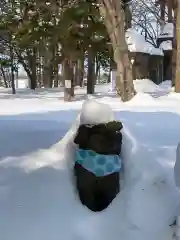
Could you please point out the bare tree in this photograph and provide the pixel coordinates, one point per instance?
(146, 19)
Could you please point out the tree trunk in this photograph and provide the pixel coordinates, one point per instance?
(162, 14)
(76, 77)
(4, 77)
(12, 70)
(33, 79)
(68, 79)
(177, 79)
(48, 67)
(91, 72)
(128, 17)
(56, 76)
(47, 76)
(33, 75)
(8, 77)
(56, 81)
(39, 69)
(170, 16)
(114, 20)
(97, 69)
(13, 80)
(109, 75)
(79, 72)
(174, 45)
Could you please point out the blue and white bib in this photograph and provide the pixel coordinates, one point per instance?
(99, 164)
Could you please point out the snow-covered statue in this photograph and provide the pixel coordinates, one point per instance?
(97, 157)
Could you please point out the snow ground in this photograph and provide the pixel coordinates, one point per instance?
(37, 197)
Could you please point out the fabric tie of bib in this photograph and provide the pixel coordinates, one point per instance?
(100, 165)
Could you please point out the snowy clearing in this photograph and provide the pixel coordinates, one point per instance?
(37, 196)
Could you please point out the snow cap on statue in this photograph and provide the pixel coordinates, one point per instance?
(94, 112)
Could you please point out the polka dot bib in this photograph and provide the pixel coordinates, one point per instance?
(99, 164)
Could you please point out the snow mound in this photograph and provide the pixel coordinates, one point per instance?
(145, 85)
(149, 87)
(166, 45)
(147, 99)
(137, 43)
(166, 86)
